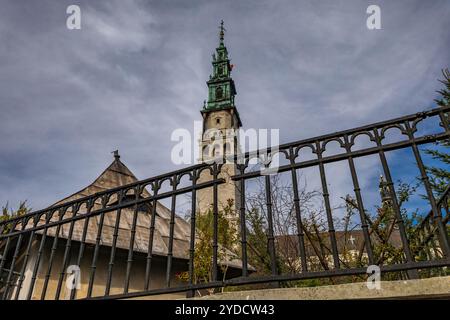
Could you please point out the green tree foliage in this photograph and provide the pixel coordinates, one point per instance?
(8, 213)
(440, 176)
(444, 100)
(203, 254)
(257, 241)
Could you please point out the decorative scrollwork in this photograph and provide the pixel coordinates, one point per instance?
(362, 133)
(402, 129)
(300, 147)
(339, 140)
(161, 181)
(206, 168)
(186, 173)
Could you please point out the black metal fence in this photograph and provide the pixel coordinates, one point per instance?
(125, 262)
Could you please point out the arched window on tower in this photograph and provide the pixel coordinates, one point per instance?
(215, 152)
(228, 150)
(219, 93)
(205, 152)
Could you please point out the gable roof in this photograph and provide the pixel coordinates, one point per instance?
(115, 175)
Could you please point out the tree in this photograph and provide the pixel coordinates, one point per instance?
(203, 254)
(284, 224)
(440, 177)
(8, 213)
(382, 226)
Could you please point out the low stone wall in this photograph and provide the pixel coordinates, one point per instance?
(431, 288)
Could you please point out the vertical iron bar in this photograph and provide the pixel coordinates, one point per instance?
(13, 262)
(300, 233)
(326, 198)
(132, 237)
(191, 293)
(412, 274)
(8, 242)
(5, 253)
(112, 255)
(96, 250)
(171, 232)
(52, 255)
(215, 245)
(443, 238)
(91, 202)
(66, 254)
(25, 260)
(243, 224)
(148, 266)
(362, 212)
(270, 236)
(38, 259)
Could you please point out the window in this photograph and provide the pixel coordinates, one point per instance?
(216, 152)
(205, 152)
(219, 93)
(217, 120)
(228, 150)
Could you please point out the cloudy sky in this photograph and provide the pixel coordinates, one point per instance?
(136, 71)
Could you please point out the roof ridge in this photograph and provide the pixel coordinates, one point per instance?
(110, 168)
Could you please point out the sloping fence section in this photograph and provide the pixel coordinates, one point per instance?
(111, 237)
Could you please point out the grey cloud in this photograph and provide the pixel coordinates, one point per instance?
(137, 71)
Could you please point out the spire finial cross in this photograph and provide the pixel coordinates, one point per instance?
(222, 31)
(116, 154)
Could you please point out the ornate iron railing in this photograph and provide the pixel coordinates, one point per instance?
(38, 247)
(427, 242)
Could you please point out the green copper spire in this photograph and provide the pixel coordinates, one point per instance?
(221, 89)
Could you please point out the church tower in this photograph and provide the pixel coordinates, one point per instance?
(221, 125)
